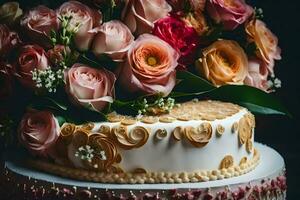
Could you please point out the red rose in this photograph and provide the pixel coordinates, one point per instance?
(8, 40)
(181, 37)
(6, 80)
(31, 57)
(38, 24)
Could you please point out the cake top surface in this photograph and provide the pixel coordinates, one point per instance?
(191, 110)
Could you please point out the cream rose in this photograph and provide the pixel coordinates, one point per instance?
(84, 19)
(266, 42)
(139, 15)
(38, 132)
(113, 38)
(10, 12)
(38, 24)
(224, 62)
(150, 66)
(89, 87)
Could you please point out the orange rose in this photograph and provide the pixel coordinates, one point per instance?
(224, 62)
(266, 42)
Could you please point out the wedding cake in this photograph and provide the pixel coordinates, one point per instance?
(137, 99)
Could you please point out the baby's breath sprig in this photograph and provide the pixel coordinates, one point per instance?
(87, 153)
(48, 79)
(274, 83)
(160, 105)
(258, 13)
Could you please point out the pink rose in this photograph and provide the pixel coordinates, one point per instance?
(8, 40)
(38, 24)
(139, 15)
(181, 37)
(31, 57)
(150, 66)
(180, 5)
(257, 75)
(38, 132)
(89, 87)
(83, 18)
(7, 72)
(57, 54)
(231, 13)
(113, 38)
(265, 41)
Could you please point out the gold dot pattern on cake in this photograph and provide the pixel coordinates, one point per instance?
(245, 130)
(199, 136)
(136, 138)
(249, 146)
(161, 134)
(104, 130)
(243, 161)
(128, 121)
(114, 117)
(234, 127)
(167, 119)
(178, 133)
(149, 119)
(88, 126)
(220, 130)
(227, 162)
(102, 143)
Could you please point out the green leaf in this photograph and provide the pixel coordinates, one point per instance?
(252, 98)
(191, 83)
(61, 120)
(56, 103)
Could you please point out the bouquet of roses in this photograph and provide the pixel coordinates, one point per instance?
(79, 61)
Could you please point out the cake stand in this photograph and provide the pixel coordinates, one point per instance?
(267, 181)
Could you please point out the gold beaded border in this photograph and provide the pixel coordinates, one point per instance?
(147, 177)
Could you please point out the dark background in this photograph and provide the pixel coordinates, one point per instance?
(281, 133)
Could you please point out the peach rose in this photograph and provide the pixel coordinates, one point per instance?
(197, 21)
(150, 66)
(113, 38)
(84, 19)
(10, 12)
(266, 42)
(257, 75)
(139, 15)
(31, 57)
(38, 24)
(38, 132)
(90, 87)
(224, 62)
(231, 13)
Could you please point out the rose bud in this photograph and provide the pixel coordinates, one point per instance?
(10, 13)
(38, 24)
(150, 66)
(83, 20)
(113, 38)
(8, 40)
(90, 87)
(7, 72)
(181, 37)
(31, 57)
(139, 15)
(38, 132)
(257, 75)
(224, 62)
(265, 41)
(231, 13)
(58, 53)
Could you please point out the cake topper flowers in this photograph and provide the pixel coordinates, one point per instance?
(82, 60)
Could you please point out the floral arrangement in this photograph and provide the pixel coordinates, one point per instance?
(71, 61)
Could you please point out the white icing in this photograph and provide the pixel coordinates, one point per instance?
(169, 155)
